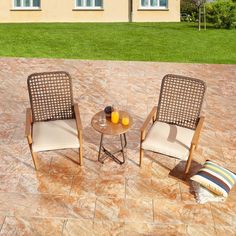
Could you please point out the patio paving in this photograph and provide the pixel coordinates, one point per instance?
(65, 199)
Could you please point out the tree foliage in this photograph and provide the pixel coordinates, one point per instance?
(222, 13)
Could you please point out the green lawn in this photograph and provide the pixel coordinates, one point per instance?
(173, 42)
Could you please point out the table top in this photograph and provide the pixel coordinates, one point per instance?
(111, 128)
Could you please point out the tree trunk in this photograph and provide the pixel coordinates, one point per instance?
(204, 12)
(199, 18)
(130, 10)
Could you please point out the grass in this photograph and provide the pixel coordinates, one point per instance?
(169, 42)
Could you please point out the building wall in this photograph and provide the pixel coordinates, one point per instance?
(172, 14)
(63, 11)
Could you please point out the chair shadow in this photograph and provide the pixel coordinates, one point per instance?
(91, 136)
(70, 157)
(178, 171)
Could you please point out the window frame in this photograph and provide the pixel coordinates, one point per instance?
(149, 7)
(88, 7)
(31, 7)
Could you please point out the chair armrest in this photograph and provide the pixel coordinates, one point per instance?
(152, 116)
(77, 117)
(197, 131)
(28, 124)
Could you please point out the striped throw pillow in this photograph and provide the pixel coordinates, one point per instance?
(215, 178)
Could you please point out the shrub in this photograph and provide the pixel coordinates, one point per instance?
(221, 13)
(188, 10)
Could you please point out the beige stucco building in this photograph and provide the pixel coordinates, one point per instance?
(89, 11)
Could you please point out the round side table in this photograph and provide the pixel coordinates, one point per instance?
(112, 129)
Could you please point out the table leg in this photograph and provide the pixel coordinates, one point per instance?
(122, 146)
(125, 140)
(108, 153)
(100, 147)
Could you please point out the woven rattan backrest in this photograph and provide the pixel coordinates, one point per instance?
(51, 96)
(181, 100)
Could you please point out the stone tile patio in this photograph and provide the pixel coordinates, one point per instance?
(65, 199)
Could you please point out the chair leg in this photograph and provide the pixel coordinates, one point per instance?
(141, 156)
(35, 161)
(189, 159)
(81, 156)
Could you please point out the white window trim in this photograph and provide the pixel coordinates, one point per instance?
(149, 7)
(88, 8)
(31, 7)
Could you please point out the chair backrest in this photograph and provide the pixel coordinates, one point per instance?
(51, 96)
(181, 100)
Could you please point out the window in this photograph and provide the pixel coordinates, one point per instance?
(26, 4)
(89, 4)
(154, 4)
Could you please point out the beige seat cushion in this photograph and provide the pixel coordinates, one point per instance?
(51, 135)
(169, 139)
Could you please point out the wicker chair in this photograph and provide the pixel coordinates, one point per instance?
(53, 121)
(176, 121)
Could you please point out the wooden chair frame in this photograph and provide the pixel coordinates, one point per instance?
(151, 118)
(195, 122)
(29, 128)
(29, 125)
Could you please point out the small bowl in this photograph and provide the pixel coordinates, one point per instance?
(108, 110)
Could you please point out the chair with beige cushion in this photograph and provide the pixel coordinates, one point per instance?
(176, 121)
(53, 121)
